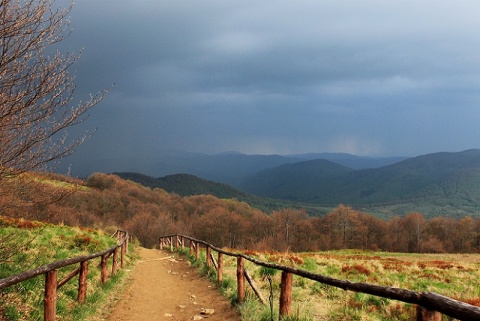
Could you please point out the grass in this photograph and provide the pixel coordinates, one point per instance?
(452, 275)
(26, 245)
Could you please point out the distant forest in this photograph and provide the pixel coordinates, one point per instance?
(107, 200)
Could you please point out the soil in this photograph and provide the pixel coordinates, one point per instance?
(166, 287)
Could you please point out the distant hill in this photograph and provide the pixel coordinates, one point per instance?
(290, 181)
(187, 185)
(352, 161)
(436, 184)
(229, 168)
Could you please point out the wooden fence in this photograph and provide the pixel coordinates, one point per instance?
(430, 306)
(50, 271)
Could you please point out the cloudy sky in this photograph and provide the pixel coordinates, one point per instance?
(376, 78)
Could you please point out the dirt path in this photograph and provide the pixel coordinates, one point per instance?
(166, 287)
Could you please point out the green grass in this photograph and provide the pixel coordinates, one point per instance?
(37, 244)
(452, 275)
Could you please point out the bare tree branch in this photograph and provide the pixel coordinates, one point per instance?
(36, 90)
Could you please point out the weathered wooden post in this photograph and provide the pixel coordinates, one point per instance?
(50, 300)
(171, 244)
(240, 280)
(424, 314)
(122, 255)
(126, 242)
(182, 241)
(255, 288)
(208, 258)
(197, 251)
(220, 269)
(103, 267)
(214, 261)
(160, 244)
(82, 282)
(114, 263)
(191, 248)
(286, 294)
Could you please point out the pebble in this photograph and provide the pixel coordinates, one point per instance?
(207, 311)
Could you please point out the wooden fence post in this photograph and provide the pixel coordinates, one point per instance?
(160, 244)
(240, 280)
(171, 244)
(122, 255)
(208, 258)
(197, 251)
(182, 241)
(220, 269)
(82, 282)
(114, 263)
(286, 293)
(103, 266)
(50, 300)
(424, 314)
(126, 243)
(191, 248)
(255, 288)
(214, 261)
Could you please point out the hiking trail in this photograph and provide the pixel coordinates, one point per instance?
(164, 286)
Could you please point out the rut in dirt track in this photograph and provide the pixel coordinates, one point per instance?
(165, 287)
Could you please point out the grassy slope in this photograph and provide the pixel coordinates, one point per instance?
(27, 245)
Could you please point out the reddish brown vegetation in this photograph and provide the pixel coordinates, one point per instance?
(19, 223)
(475, 301)
(146, 213)
(356, 269)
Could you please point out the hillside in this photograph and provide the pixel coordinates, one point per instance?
(185, 184)
(107, 201)
(436, 184)
(189, 185)
(29, 244)
(289, 181)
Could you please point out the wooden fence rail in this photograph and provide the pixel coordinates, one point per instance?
(51, 271)
(430, 306)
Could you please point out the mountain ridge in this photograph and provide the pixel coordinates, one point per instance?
(440, 179)
(443, 182)
(229, 168)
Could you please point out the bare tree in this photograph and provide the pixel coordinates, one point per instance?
(36, 89)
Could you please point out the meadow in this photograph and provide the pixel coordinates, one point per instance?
(452, 275)
(25, 245)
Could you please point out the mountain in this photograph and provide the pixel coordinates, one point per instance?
(230, 168)
(290, 181)
(352, 161)
(433, 183)
(187, 185)
(184, 185)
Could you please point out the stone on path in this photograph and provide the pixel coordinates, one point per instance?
(207, 311)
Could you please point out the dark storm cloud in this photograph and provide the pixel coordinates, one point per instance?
(366, 77)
